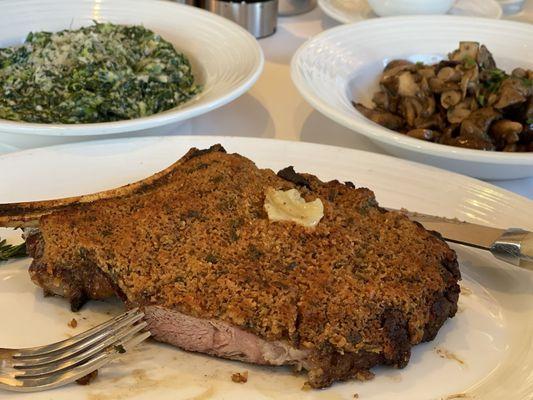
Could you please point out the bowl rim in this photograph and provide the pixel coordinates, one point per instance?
(180, 113)
(390, 137)
(445, 3)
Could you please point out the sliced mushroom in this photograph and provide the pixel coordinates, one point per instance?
(457, 115)
(438, 85)
(451, 131)
(394, 68)
(519, 73)
(424, 134)
(395, 64)
(380, 117)
(485, 59)
(492, 99)
(424, 86)
(407, 85)
(461, 111)
(381, 99)
(430, 106)
(434, 122)
(410, 108)
(512, 91)
(469, 143)
(427, 72)
(474, 143)
(447, 63)
(506, 131)
(478, 122)
(469, 80)
(449, 74)
(450, 98)
(510, 148)
(466, 50)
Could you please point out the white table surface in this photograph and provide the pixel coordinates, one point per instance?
(273, 108)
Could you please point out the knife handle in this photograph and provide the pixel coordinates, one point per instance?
(515, 247)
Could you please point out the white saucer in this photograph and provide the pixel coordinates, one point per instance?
(348, 11)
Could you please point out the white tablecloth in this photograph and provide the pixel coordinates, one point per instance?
(273, 108)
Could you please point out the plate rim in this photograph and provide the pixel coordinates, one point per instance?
(220, 138)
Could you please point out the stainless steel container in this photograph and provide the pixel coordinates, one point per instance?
(195, 3)
(259, 18)
(512, 6)
(294, 7)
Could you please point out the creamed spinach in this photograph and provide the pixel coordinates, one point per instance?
(100, 73)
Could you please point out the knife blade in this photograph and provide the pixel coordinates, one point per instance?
(456, 231)
(514, 246)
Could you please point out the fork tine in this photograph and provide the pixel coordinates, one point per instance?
(53, 367)
(90, 336)
(70, 375)
(80, 347)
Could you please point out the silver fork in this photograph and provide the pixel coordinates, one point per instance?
(47, 367)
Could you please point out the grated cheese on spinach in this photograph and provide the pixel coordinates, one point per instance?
(100, 73)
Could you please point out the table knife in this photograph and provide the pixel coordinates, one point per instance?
(514, 245)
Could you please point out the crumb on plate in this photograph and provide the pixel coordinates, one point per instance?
(456, 396)
(443, 353)
(239, 377)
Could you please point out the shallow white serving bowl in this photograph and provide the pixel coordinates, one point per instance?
(344, 64)
(226, 59)
(387, 8)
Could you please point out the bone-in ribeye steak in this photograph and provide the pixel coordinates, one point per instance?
(194, 246)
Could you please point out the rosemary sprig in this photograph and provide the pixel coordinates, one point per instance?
(8, 251)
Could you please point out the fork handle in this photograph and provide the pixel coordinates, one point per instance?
(515, 247)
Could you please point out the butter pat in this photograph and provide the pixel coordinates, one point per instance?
(289, 205)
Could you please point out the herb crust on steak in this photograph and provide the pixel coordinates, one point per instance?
(193, 245)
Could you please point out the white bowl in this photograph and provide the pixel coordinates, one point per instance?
(387, 8)
(226, 59)
(344, 64)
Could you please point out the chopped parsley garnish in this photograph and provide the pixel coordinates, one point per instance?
(100, 73)
(120, 349)
(496, 77)
(469, 62)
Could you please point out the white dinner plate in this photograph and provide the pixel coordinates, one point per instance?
(348, 11)
(343, 64)
(485, 352)
(226, 60)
